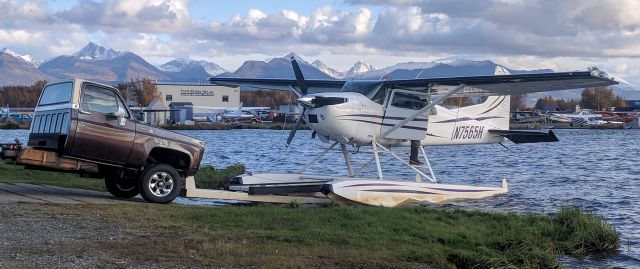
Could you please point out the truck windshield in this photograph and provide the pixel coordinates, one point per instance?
(56, 94)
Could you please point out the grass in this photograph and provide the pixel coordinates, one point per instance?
(329, 236)
(363, 237)
(17, 174)
(208, 177)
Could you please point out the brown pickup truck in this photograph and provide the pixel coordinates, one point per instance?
(85, 127)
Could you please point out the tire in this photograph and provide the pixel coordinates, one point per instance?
(121, 188)
(160, 184)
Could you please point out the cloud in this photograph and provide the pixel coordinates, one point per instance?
(559, 28)
(118, 15)
(537, 34)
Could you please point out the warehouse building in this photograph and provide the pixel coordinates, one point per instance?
(199, 95)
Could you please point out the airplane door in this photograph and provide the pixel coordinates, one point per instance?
(403, 104)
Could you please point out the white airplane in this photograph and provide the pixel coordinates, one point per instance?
(399, 113)
(232, 113)
(585, 117)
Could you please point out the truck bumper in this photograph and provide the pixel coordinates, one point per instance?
(52, 160)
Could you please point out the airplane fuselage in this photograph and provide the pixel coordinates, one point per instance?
(359, 120)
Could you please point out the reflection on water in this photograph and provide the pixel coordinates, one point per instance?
(596, 169)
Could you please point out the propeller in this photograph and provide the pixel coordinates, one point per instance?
(303, 90)
(299, 77)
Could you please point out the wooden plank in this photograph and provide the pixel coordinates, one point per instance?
(193, 192)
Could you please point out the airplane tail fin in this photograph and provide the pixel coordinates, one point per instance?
(495, 110)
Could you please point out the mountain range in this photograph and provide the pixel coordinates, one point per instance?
(102, 64)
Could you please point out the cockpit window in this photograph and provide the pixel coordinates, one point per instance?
(366, 88)
(409, 101)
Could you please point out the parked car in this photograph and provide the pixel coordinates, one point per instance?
(240, 116)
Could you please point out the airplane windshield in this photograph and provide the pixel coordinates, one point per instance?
(366, 88)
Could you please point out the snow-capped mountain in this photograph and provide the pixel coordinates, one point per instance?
(181, 64)
(15, 70)
(279, 67)
(288, 57)
(358, 69)
(458, 62)
(327, 70)
(95, 52)
(26, 58)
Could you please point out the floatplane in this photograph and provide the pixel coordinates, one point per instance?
(386, 114)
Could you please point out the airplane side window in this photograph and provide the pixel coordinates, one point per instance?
(408, 101)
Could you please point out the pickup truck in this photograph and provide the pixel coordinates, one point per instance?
(85, 127)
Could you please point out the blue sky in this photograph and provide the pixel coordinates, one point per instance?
(223, 10)
(560, 35)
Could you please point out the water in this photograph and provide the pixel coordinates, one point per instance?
(596, 169)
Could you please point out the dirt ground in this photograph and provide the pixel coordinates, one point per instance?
(38, 236)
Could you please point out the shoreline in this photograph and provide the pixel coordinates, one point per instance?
(320, 236)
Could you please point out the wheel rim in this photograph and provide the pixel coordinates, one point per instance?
(161, 184)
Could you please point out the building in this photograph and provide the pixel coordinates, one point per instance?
(199, 95)
(181, 112)
(156, 113)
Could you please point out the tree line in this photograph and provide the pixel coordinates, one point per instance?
(599, 98)
(264, 98)
(21, 96)
(139, 92)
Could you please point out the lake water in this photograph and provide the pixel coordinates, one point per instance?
(596, 169)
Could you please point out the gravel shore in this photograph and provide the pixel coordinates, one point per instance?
(39, 236)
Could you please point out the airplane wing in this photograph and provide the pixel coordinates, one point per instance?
(473, 86)
(315, 85)
(506, 84)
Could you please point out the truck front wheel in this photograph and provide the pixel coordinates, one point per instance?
(160, 184)
(120, 187)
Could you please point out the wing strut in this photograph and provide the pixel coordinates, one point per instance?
(423, 110)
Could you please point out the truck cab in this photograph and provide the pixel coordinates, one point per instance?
(89, 123)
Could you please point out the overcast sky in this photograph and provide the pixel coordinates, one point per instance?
(561, 35)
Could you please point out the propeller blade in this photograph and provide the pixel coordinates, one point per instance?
(295, 127)
(299, 77)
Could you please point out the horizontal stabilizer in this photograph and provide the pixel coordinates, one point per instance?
(526, 136)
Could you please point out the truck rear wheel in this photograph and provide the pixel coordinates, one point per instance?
(121, 188)
(160, 184)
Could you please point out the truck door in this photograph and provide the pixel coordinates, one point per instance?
(105, 129)
(403, 104)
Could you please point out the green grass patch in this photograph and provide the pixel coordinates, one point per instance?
(369, 237)
(330, 236)
(17, 174)
(208, 177)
